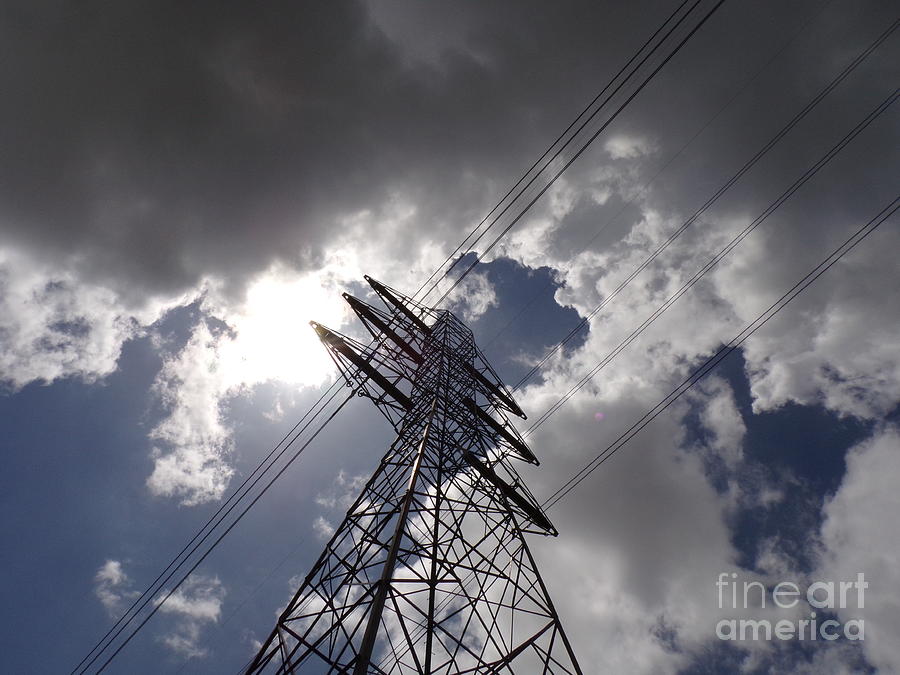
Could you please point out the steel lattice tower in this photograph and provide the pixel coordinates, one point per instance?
(429, 572)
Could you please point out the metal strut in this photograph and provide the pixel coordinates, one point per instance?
(368, 643)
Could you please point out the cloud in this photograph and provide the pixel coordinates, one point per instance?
(473, 297)
(232, 349)
(194, 465)
(114, 588)
(230, 157)
(343, 492)
(322, 528)
(628, 147)
(641, 543)
(199, 598)
(336, 501)
(196, 603)
(216, 146)
(860, 534)
(643, 538)
(53, 325)
(720, 416)
(838, 347)
(246, 164)
(221, 144)
(609, 523)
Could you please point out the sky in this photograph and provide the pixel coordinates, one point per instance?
(183, 187)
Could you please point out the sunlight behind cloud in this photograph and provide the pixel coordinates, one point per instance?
(273, 339)
(265, 338)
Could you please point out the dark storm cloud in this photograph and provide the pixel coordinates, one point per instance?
(167, 141)
(148, 144)
(737, 94)
(158, 142)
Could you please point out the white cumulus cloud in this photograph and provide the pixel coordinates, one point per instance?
(861, 535)
(196, 603)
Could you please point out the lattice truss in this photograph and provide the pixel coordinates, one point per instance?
(429, 572)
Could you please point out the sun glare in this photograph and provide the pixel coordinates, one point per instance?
(274, 340)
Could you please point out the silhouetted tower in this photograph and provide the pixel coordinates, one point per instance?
(429, 572)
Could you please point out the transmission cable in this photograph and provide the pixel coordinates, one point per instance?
(212, 523)
(723, 352)
(292, 553)
(548, 164)
(543, 156)
(227, 530)
(252, 479)
(575, 134)
(646, 186)
(578, 153)
(712, 200)
(145, 597)
(783, 197)
(295, 427)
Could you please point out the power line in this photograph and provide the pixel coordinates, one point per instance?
(253, 484)
(581, 150)
(805, 24)
(544, 155)
(225, 533)
(256, 589)
(723, 352)
(197, 540)
(645, 187)
(712, 200)
(236, 497)
(737, 239)
(414, 514)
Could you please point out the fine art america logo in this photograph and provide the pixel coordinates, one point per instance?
(818, 623)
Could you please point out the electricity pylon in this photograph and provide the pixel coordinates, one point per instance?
(429, 572)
